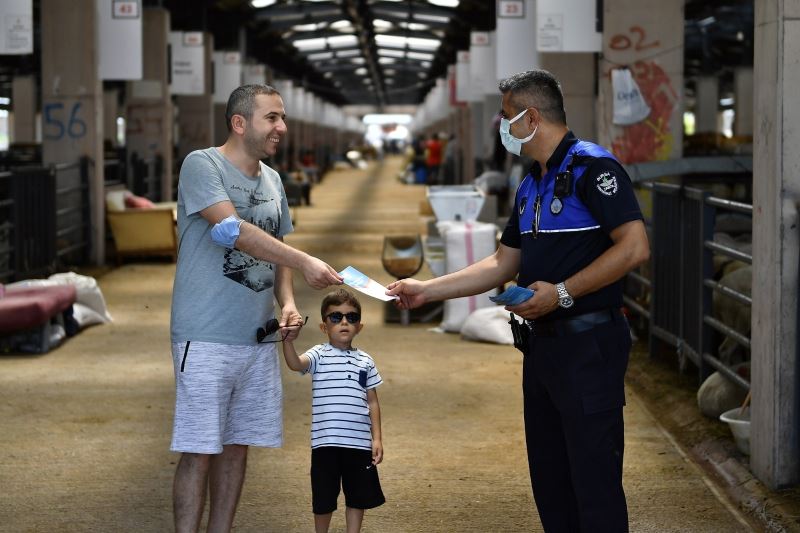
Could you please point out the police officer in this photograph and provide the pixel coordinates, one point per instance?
(576, 230)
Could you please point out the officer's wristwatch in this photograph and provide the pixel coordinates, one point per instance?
(564, 299)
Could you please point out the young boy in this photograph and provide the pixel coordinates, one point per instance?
(346, 418)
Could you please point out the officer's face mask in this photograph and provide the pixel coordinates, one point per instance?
(511, 143)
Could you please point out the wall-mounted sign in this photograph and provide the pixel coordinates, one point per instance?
(119, 40)
(479, 38)
(188, 63)
(227, 75)
(567, 26)
(511, 9)
(16, 27)
(125, 9)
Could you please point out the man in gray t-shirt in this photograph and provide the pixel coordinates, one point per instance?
(232, 262)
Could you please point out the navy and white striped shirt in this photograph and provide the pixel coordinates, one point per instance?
(339, 409)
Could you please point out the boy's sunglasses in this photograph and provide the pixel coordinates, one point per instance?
(336, 317)
(271, 327)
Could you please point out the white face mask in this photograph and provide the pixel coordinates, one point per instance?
(511, 143)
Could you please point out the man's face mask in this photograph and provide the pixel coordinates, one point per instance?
(511, 143)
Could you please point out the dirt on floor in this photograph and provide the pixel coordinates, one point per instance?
(86, 428)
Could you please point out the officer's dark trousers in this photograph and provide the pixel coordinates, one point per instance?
(574, 393)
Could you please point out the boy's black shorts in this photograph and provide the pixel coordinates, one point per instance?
(334, 465)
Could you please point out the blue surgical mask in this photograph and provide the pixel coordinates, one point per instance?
(511, 143)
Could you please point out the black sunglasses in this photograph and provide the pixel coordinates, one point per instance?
(336, 317)
(271, 327)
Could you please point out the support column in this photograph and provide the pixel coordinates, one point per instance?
(774, 455)
(149, 106)
(72, 99)
(743, 102)
(576, 72)
(647, 36)
(23, 101)
(706, 107)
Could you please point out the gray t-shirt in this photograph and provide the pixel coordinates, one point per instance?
(221, 294)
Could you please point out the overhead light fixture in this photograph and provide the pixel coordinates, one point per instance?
(391, 53)
(306, 27)
(395, 41)
(361, 71)
(316, 43)
(423, 44)
(413, 26)
(444, 3)
(357, 60)
(386, 60)
(262, 3)
(431, 18)
(348, 53)
(382, 24)
(341, 41)
(320, 56)
(390, 72)
(420, 55)
(339, 24)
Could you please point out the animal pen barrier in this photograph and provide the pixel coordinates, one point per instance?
(676, 299)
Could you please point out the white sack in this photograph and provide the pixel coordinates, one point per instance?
(489, 324)
(465, 243)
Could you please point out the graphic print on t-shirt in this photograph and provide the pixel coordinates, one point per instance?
(242, 268)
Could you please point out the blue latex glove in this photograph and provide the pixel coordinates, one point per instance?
(225, 232)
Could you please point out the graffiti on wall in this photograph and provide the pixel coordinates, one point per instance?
(651, 139)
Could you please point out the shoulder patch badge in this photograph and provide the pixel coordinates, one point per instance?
(607, 183)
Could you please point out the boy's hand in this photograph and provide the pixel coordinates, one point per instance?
(377, 452)
(291, 323)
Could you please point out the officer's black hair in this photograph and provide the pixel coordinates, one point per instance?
(539, 89)
(243, 99)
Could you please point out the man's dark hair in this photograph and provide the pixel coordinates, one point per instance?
(539, 89)
(242, 101)
(339, 297)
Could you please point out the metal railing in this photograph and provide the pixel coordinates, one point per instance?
(676, 300)
(44, 219)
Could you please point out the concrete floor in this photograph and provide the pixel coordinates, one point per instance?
(85, 429)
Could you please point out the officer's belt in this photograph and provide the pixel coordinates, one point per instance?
(574, 324)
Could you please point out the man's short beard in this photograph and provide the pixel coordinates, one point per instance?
(254, 146)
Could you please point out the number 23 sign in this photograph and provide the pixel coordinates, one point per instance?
(511, 9)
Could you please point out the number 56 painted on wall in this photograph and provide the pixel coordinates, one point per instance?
(55, 128)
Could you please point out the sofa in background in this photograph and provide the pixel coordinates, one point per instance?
(140, 227)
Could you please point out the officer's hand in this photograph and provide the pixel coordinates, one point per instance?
(319, 274)
(544, 301)
(410, 291)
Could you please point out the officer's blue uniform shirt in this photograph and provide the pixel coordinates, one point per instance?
(568, 240)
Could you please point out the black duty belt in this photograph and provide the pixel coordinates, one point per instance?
(573, 324)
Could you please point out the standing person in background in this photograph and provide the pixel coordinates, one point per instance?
(450, 174)
(232, 216)
(433, 158)
(575, 231)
